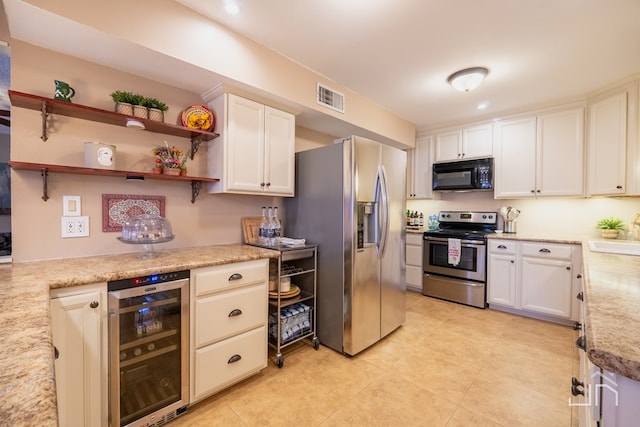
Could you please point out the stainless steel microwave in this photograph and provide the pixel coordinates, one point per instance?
(466, 175)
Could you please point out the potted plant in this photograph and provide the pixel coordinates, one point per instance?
(156, 109)
(170, 157)
(139, 107)
(610, 227)
(124, 102)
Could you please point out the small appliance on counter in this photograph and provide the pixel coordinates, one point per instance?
(509, 216)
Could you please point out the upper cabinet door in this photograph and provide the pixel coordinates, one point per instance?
(244, 139)
(607, 145)
(448, 146)
(560, 169)
(515, 158)
(477, 141)
(280, 139)
(419, 167)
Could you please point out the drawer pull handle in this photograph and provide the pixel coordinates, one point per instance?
(581, 343)
(502, 247)
(577, 326)
(576, 391)
(576, 382)
(56, 352)
(235, 276)
(94, 304)
(580, 296)
(545, 251)
(233, 359)
(235, 312)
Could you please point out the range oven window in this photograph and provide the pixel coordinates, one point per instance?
(439, 257)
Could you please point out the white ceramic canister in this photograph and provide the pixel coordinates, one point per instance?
(99, 156)
(285, 284)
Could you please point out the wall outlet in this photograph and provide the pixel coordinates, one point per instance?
(75, 226)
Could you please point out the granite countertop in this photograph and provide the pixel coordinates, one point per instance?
(537, 237)
(27, 390)
(612, 298)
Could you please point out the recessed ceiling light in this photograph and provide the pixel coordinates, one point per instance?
(483, 105)
(231, 7)
(468, 79)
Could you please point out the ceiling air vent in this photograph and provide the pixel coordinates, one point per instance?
(330, 98)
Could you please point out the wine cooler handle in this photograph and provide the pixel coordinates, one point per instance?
(235, 276)
(235, 358)
(235, 312)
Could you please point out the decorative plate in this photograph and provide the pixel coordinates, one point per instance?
(198, 117)
(292, 292)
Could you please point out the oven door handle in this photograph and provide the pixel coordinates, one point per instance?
(446, 279)
(464, 242)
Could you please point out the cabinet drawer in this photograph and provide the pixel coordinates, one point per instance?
(414, 239)
(215, 365)
(229, 276)
(547, 250)
(502, 246)
(225, 314)
(414, 256)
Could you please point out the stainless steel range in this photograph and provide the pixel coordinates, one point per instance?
(455, 257)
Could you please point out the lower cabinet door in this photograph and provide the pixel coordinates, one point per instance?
(226, 362)
(501, 280)
(546, 286)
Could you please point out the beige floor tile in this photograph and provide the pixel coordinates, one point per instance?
(448, 365)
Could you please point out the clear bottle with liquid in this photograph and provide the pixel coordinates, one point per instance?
(270, 227)
(264, 228)
(277, 227)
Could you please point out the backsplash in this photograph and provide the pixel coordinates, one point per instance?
(560, 216)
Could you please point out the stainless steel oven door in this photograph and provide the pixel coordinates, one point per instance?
(472, 264)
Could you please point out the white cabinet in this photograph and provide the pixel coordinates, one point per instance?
(501, 274)
(255, 153)
(546, 279)
(464, 143)
(607, 145)
(228, 325)
(534, 279)
(77, 320)
(419, 169)
(414, 261)
(540, 156)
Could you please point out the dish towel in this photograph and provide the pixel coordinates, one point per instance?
(287, 241)
(454, 251)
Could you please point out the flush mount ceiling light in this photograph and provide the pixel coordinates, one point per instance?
(232, 7)
(468, 79)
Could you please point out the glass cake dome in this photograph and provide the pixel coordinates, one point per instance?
(146, 229)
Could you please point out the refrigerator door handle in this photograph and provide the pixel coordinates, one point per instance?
(383, 209)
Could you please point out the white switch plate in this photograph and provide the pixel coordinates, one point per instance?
(75, 226)
(71, 206)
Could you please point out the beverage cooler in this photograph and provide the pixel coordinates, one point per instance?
(148, 349)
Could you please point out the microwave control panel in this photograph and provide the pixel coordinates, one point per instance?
(484, 177)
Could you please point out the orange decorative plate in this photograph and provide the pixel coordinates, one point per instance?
(198, 117)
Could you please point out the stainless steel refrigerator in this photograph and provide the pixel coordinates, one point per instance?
(350, 200)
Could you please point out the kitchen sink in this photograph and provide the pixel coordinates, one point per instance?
(615, 247)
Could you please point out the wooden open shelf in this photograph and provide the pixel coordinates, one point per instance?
(54, 106)
(44, 169)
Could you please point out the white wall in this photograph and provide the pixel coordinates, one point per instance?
(544, 216)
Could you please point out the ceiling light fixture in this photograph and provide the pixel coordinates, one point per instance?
(467, 79)
(231, 7)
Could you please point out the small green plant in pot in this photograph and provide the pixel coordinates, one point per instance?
(124, 101)
(156, 109)
(611, 227)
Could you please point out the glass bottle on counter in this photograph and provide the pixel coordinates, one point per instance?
(270, 227)
(277, 227)
(264, 227)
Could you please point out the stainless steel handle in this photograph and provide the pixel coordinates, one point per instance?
(384, 209)
(233, 359)
(235, 276)
(468, 243)
(545, 251)
(235, 312)
(94, 304)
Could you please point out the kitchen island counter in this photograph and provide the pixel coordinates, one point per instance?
(27, 394)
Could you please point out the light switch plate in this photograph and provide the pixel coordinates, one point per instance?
(71, 206)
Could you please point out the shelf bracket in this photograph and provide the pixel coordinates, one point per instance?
(196, 186)
(45, 173)
(195, 144)
(43, 110)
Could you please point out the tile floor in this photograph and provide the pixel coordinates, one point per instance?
(448, 365)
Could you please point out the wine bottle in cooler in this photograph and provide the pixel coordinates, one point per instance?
(277, 227)
(264, 226)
